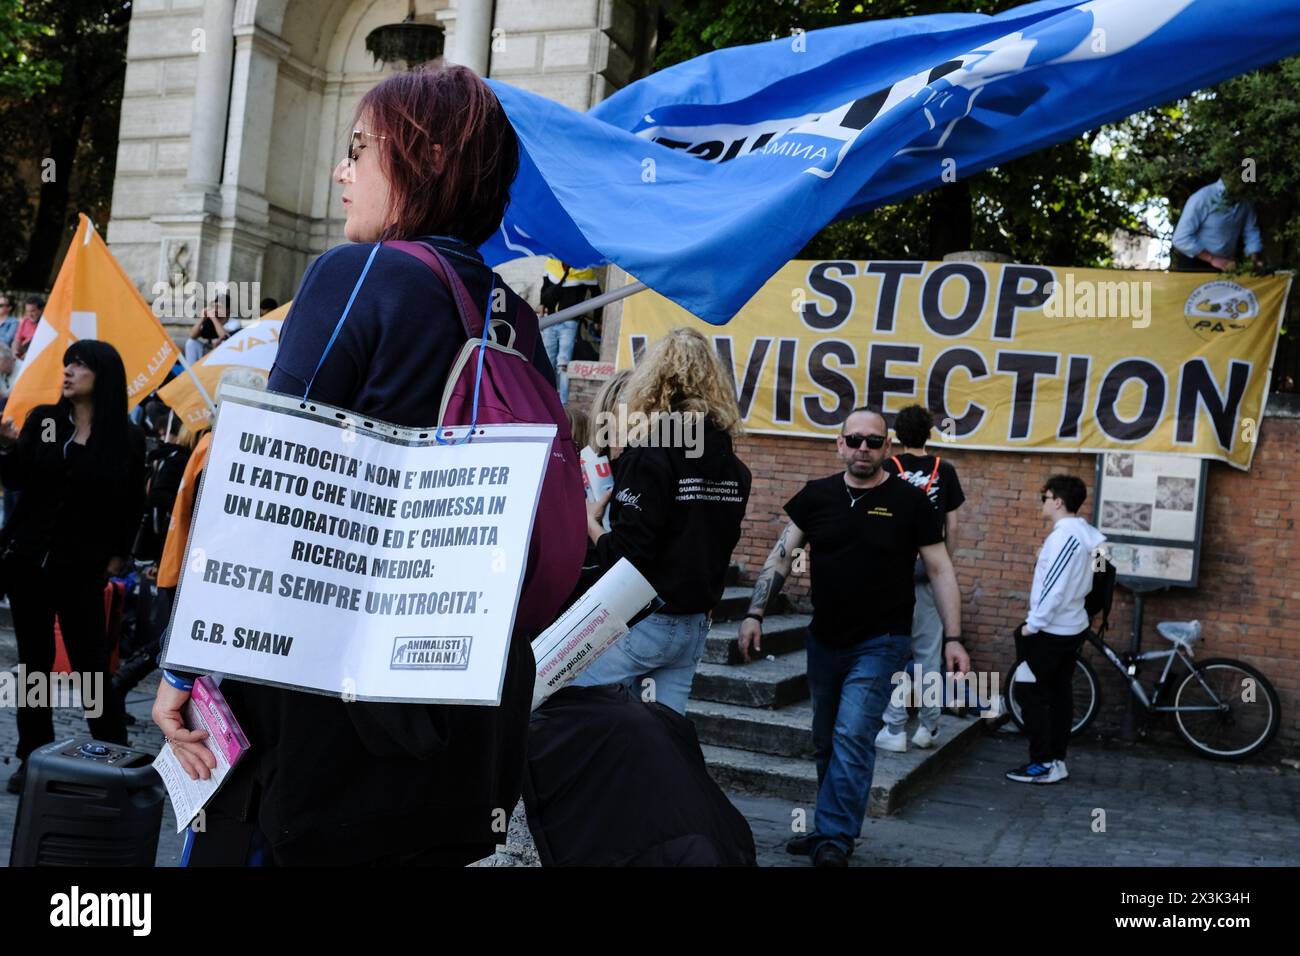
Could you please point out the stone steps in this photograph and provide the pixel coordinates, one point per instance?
(785, 778)
(785, 732)
(764, 683)
(896, 779)
(782, 634)
(735, 603)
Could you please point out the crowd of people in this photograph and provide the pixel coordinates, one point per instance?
(89, 491)
(345, 782)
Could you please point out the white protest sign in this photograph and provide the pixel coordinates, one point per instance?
(588, 628)
(356, 558)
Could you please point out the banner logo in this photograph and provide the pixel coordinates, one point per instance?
(430, 653)
(1220, 307)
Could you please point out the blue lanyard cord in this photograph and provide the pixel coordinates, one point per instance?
(478, 372)
(342, 318)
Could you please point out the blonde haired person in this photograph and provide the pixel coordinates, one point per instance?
(602, 424)
(579, 426)
(678, 500)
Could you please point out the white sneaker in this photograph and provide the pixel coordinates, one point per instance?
(1058, 770)
(895, 743)
(923, 739)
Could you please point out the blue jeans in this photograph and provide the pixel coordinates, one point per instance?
(558, 341)
(664, 648)
(927, 654)
(850, 687)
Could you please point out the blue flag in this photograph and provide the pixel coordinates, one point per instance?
(705, 178)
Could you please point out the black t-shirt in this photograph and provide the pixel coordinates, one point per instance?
(864, 543)
(944, 487)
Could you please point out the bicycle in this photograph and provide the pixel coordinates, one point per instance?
(1225, 709)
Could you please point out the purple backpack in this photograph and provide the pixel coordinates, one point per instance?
(510, 390)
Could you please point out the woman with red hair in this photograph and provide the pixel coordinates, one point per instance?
(431, 158)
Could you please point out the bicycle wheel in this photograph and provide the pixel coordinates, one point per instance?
(1083, 687)
(1242, 726)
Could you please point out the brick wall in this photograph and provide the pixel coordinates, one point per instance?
(1248, 599)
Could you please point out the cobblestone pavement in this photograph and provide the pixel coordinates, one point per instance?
(1160, 806)
(68, 722)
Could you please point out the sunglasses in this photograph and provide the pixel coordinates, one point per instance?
(356, 145)
(874, 442)
(1046, 495)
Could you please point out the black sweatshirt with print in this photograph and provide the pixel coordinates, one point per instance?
(677, 518)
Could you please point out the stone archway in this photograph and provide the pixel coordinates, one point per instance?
(304, 68)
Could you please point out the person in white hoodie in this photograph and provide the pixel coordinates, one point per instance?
(1054, 630)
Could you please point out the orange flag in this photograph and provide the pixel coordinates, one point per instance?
(92, 299)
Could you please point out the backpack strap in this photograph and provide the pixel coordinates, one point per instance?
(933, 474)
(338, 326)
(471, 318)
(899, 465)
(524, 327)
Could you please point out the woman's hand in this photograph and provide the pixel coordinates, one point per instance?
(8, 433)
(596, 516)
(195, 759)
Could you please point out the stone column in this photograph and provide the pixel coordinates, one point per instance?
(244, 208)
(187, 218)
(474, 34)
(211, 95)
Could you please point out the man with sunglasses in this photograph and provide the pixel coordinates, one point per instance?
(866, 528)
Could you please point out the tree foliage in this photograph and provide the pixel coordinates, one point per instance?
(62, 66)
(23, 72)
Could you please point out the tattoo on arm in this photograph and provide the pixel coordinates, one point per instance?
(769, 585)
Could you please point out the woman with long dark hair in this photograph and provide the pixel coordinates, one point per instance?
(79, 466)
(430, 158)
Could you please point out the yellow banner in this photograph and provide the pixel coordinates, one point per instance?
(1008, 357)
(92, 298)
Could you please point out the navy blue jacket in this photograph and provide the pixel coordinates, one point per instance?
(330, 781)
(392, 355)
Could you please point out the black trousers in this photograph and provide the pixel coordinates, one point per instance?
(1181, 263)
(36, 595)
(1047, 705)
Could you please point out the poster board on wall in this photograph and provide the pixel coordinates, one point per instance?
(1151, 508)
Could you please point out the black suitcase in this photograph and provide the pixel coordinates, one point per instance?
(88, 803)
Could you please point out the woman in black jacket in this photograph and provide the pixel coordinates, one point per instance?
(79, 465)
(678, 501)
(328, 781)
